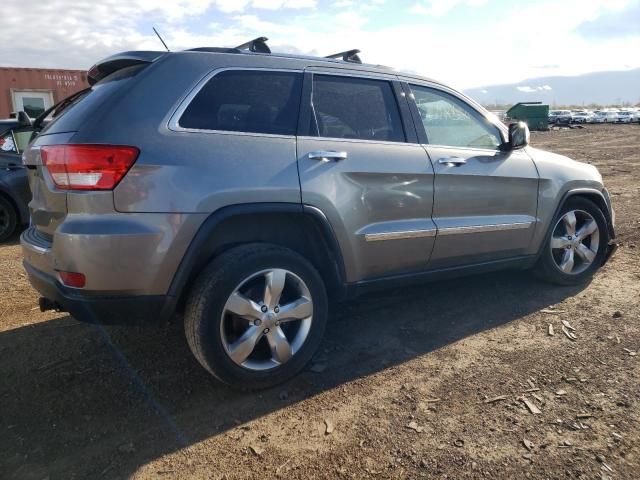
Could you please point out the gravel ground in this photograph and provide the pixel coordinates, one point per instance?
(426, 382)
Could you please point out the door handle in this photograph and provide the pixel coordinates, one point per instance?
(328, 155)
(453, 161)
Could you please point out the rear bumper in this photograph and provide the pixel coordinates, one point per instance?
(101, 309)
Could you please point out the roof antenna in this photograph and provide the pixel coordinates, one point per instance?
(165, 45)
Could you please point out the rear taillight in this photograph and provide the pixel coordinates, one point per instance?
(88, 167)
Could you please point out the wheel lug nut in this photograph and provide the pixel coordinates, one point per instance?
(276, 310)
(264, 308)
(257, 322)
(266, 330)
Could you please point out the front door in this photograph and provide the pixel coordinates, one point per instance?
(485, 200)
(360, 164)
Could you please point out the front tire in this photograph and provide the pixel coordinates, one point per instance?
(577, 244)
(256, 315)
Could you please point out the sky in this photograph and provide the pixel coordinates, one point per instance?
(466, 43)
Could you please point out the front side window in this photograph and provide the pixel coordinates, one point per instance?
(449, 122)
(355, 108)
(247, 101)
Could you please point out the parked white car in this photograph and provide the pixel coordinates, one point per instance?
(582, 117)
(626, 117)
(560, 116)
(606, 116)
(599, 116)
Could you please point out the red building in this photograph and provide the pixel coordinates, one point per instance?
(36, 89)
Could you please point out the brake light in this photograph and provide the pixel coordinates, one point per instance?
(73, 279)
(88, 167)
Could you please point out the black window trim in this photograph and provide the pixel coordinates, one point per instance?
(174, 120)
(401, 101)
(422, 134)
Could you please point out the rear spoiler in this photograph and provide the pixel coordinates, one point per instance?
(119, 61)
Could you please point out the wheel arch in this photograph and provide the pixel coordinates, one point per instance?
(591, 194)
(597, 197)
(303, 229)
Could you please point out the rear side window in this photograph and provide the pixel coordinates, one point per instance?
(359, 108)
(247, 101)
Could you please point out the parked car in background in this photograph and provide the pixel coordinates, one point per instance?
(605, 116)
(560, 116)
(626, 117)
(612, 116)
(599, 116)
(14, 186)
(582, 117)
(250, 190)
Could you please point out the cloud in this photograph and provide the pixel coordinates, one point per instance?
(438, 8)
(616, 24)
(459, 51)
(528, 89)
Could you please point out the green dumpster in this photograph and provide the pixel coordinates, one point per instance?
(534, 114)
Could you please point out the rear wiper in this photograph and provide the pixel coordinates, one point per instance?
(56, 109)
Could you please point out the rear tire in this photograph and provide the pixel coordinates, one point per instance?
(572, 254)
(240, 321)
(8, 219)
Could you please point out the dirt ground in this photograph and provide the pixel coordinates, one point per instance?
(424, 382)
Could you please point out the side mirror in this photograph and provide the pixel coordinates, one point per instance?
(23, 119)
(518, 137)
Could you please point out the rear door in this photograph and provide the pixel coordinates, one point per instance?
(360, 164)
(485, 200)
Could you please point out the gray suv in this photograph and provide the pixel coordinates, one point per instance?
(246, 189)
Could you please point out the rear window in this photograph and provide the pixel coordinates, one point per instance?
(73, 115)
(247, 101)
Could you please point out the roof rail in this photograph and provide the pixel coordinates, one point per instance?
(348, 56)
(256, 45)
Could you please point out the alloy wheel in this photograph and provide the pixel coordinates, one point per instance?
(266, 319)
(575, 241)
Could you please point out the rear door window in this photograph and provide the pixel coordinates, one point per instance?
(357, 108)
(251, 101)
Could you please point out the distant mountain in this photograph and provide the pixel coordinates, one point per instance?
(603, 88)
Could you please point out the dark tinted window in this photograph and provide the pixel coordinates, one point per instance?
(346, 107)
(247, 101)
(87, 103)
